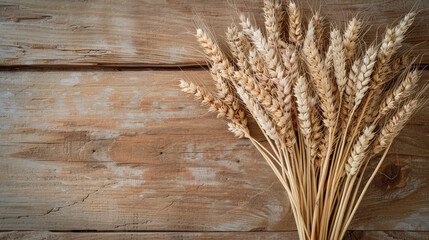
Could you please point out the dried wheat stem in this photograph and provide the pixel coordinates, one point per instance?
(356, 205)
(319, 104)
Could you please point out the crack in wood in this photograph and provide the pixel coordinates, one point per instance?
(132, 223)
(249, 200)
(57, 209)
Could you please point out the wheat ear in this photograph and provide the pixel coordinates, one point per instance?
(249, 83)
(394, 126)
(316, 128)
(318, 71)
(319, 28)
(259, 114)
(295, 28)
(339, 59)
(351, 35)
(277, 74)
(259, 69)
(257, 58)
(273, 16)
(239, 45)
(221, 69)
(364, 77)
(359, 151)
(350, 92)
(304, 110)
(392, 41)
(271, 57)
(403, 90)
(223, 110)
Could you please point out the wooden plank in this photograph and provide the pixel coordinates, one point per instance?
(351, 235)
(110, 150)
(158, 33)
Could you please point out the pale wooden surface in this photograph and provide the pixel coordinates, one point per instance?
(104, 150)
(108, 150)
(157, 33)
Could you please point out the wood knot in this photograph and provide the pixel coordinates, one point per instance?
(392, 176)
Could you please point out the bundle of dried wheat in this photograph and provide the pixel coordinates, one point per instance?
(326, 108)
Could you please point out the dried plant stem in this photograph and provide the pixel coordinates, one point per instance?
(320, 106)
(356, 205)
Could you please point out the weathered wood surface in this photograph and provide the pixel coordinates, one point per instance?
(352, 235)
(125, 150)
(158, 33)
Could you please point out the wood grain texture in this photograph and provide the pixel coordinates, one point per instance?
(352, 235)
(125, 150)
(159, 33)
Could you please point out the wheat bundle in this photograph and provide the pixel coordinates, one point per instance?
(326, 108)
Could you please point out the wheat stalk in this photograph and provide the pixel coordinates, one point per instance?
(303, 101)
(339, 59)
(394, 126)
(350, 37)
(398, 94)
(295, 28)
(360, 149)
(364, 76)
(325, 110)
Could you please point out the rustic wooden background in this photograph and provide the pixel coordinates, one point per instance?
(96, 139)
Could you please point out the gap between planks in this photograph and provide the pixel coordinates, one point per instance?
(66, 68)
(290, 235)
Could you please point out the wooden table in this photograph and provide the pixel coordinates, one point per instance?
(96, 139)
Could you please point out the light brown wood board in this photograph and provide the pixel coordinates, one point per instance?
(160, 33)
(126, 150)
